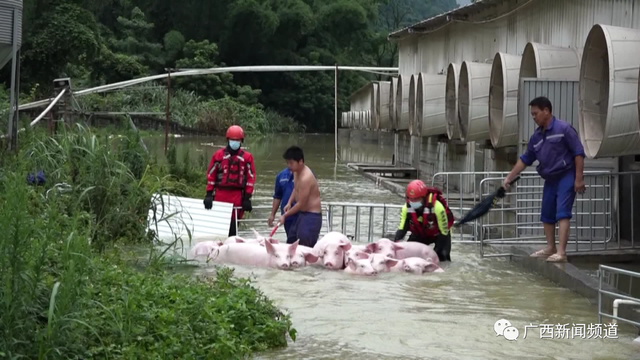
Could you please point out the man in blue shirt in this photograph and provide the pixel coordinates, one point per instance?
(281, 194)
(557, 147)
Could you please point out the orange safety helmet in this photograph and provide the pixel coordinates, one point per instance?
(416, 189)
(235, 132)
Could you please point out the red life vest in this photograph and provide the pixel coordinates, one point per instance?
(429, 225)
(231, 171)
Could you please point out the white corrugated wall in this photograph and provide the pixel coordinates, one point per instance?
(554, 22)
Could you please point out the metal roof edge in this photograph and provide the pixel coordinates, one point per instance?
(441, 19)
(353, 94)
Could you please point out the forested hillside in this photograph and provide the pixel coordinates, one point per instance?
(103, 41)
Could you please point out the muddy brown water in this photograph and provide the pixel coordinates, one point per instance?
(448, 315)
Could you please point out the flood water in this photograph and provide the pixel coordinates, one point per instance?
(448, 315)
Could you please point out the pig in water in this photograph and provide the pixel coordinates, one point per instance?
(350, 255)
(331, 249)
(259, 239)
(382, 263)
(204, 248)
(271, 255)
(362, 265)
(303, 257)
(403, 250)
(416, 265)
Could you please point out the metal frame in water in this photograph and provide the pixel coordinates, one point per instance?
(336, 217)
(619, 299)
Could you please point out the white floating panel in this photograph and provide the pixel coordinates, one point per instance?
(608, 96)
(430, 105)
(373, 113)
(402, 102)
(343, 119)
(413, 124)
(451, 101)
(503, 100)
(184, 214)
(393, 89)
(473, 101)
(382, 105)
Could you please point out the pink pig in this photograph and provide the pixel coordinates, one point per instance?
(303, 257)
(416, 265)
(331, 249)
(382, 263)
(402, 250)
(205, 248)
(271, 255)
(362, 266)
(350, 255)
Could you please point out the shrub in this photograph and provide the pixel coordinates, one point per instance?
(64, 299)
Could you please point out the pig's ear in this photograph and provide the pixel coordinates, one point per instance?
(292, 247)
(351, 265)
(397, 246)
(318, 251)
(239, 240)
(270, 249)
(345, 245)
(310, 258)
(256, 233)
(371, 248)
(220, 242)
(391, 262)
(362, 255)
(433, 246)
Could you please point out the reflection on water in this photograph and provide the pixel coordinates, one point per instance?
(446, 315)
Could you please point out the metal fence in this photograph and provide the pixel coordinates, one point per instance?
(604, 273)
(595, 222)
(361, 222)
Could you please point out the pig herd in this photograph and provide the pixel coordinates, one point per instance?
(333, 251)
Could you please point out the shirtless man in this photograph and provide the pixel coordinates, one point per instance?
(306, 194)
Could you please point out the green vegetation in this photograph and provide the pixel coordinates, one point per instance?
(104, 41)
(70, 290)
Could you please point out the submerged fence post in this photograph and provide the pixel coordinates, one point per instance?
(15, 86)
(335, 113)
(167, 110)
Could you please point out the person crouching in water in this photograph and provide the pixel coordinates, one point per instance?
(428, 217)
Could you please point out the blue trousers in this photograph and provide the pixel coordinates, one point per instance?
(306, 229)
(558, 196)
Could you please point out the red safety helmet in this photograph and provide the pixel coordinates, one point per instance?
(235, 132)
(416, 189)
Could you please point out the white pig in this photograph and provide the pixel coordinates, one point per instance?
(362, 266)
(382, 263)
(204, 248)
(402, 250)
(303, 257)
(416, 265)
(350, 255)
(271, 255)
(331, 249)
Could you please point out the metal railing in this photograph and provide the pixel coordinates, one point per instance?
(361, 222)
(595, 222)
(619, 298)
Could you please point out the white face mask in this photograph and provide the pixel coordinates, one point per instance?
(234, 144)
(415, 204)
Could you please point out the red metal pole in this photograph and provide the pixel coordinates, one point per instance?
(166, 124)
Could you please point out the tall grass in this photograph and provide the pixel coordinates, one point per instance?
(192, 110)
(68, 291)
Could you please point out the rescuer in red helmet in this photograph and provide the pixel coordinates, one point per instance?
(231, 176)
(428, 217)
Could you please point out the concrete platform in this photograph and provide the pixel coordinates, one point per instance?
(575, 279)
